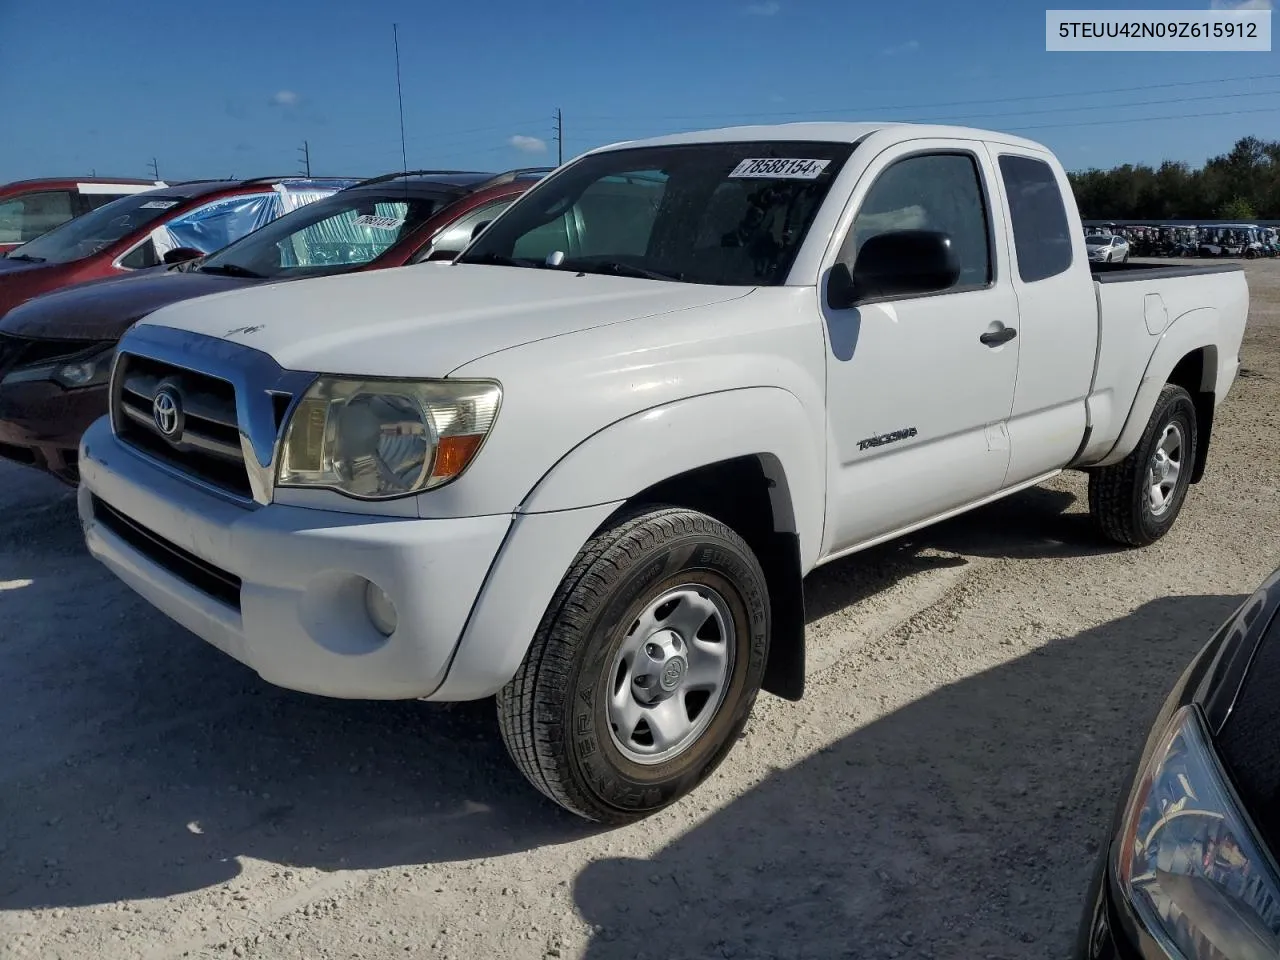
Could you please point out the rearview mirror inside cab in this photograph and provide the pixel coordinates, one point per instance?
(895, 264)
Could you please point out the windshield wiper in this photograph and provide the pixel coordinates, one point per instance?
(233, 270)
(26, 257)
(498, 260)
(618, 269)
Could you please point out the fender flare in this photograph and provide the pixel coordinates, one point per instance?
(1194, 330)
(676, 437)
(589, 483)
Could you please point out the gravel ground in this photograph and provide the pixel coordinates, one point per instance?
(977, 694)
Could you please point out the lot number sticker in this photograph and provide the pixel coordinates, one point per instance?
(380, 223)
(158, 205)
(780, 168)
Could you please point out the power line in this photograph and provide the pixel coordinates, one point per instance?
(952, 103)
(304, 152)
(1176, 116)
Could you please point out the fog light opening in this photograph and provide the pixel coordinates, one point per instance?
(381, 611)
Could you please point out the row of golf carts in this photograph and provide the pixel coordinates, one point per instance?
(1245, 240)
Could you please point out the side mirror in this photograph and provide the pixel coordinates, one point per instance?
(182, 254)
(475, 231)
(894, 264)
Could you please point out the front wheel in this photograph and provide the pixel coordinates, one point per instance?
(1136, 501)
(644, 669)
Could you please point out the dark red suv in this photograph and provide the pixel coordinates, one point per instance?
(56, 350)
(168, 224)
(29, 208)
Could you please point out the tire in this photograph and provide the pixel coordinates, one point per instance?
(1125, 258)
(569, 715)
(1121, 497)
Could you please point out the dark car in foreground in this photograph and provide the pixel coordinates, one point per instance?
(1190, 872)
(56, 350)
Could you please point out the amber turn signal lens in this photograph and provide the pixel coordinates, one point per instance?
(453, 455)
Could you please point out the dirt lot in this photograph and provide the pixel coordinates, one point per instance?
(976, 696)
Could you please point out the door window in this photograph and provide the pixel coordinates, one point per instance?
(1041, 236)
(936, 191)
(455, 237)
(27, 217)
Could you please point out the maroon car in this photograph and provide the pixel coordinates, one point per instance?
(56, 350)
(29, 208)
(165, 225)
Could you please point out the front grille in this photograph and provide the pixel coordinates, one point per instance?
(208, 444)
(202, 575)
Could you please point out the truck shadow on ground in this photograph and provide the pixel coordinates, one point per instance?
(965, 824)
(147, 762)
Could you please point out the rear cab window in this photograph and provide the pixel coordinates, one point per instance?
(30, 215)
(1041, 233)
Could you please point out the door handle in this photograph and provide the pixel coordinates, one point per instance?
(994, 338)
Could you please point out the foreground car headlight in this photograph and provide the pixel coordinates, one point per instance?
(1188, 860)
(89, 370)
(376, 439)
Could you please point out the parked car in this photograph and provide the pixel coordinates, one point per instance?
(586, 465)
(29, 208)
(1189, 871)
(1107, 249)
(165, 225)
(56, 350)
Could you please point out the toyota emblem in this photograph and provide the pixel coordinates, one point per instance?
(166, 411)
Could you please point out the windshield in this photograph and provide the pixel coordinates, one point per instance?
(1097, 239)
(717, 213)
(85, 236)
(328, 236)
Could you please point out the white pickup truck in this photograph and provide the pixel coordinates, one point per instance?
(586, 466)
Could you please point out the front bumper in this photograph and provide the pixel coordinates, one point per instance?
(41, 424)
(288, 595)
(1103, 936)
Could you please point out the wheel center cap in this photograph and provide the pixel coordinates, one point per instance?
(673, 672)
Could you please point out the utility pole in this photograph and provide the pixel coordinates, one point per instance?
(559, 137)
(155, 169)
(305, 155)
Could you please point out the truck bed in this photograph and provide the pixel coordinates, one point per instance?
(1122, 272)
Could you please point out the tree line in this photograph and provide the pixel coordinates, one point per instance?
(1241, 185)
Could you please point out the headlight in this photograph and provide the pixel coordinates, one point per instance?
(376, 439)
(90, 370)
(1188, 860)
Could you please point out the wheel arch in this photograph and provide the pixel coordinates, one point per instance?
(758, 443)
(1186, 355)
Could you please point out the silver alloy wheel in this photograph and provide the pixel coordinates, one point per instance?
(671, 673)
(1164, 469)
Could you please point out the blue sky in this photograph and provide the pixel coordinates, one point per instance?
(234, 87)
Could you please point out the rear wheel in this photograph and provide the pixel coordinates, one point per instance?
(1136, 501)
(644, 669)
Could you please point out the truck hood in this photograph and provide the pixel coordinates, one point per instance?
(105, 309)
(427, 319)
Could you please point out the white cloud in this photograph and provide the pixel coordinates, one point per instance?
(911, 46)
(1242, 5)
(284, 98)
(528, 144)
(767, 8)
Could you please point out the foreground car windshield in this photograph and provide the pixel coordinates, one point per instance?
(85, 236)
(720, 213)
(327, 236)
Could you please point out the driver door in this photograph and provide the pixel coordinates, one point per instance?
(920, 388)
